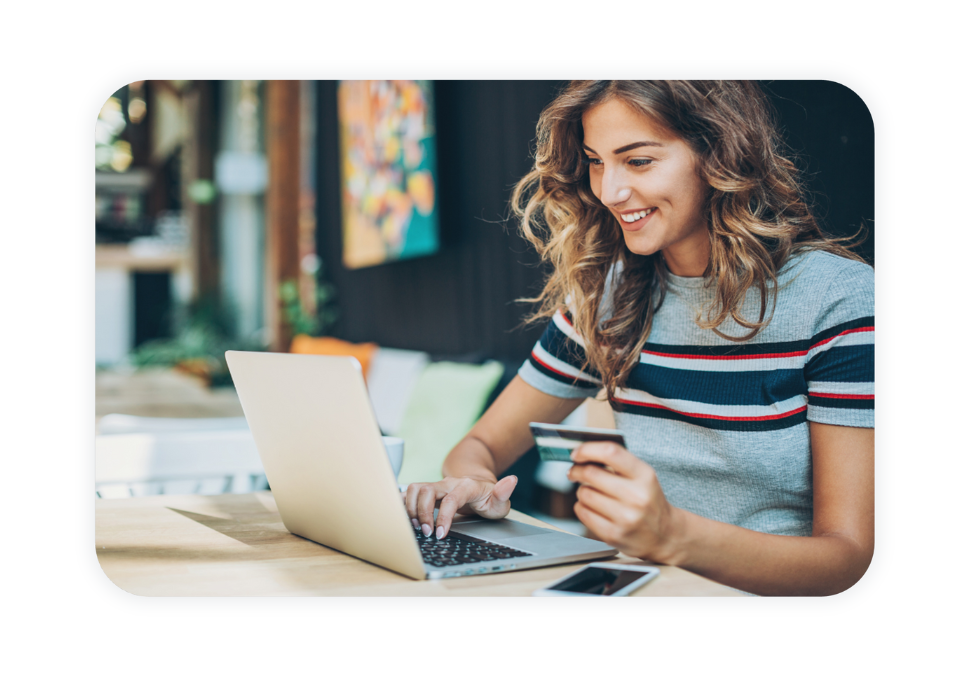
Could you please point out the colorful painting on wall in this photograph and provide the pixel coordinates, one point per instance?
(388, 172)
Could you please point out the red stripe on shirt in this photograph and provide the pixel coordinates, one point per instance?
(759, 418)
(853, 396)
(726, 358)
(549, 367)
(864, 329)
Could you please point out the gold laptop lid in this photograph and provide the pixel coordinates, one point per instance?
(323, 455)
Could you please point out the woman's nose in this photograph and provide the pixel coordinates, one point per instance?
(614, 191)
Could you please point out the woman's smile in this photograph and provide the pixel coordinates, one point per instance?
(635, 220)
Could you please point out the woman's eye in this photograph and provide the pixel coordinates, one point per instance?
(591, 160)
(640, 162)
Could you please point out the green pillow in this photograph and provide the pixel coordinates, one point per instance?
(446, 401)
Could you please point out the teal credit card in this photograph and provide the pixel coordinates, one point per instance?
(555, 442)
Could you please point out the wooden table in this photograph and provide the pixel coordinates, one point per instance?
(236, 545)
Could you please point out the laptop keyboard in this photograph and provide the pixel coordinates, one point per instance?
(459, 549)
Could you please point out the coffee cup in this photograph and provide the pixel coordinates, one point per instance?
(395, 447)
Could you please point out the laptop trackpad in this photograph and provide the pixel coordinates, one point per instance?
(499, 529)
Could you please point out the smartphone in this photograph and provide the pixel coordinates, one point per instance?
(603, 579)
(555, 442)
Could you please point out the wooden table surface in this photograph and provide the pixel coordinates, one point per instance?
(236, 545)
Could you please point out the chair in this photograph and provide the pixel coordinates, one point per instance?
(329, 346)
(444, 404)
(391, 380)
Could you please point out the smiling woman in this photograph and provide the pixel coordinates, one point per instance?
(634, 181)
(731, 207)
(733, 338)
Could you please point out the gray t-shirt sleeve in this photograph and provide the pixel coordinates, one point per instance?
(556, 364)
(839, 367)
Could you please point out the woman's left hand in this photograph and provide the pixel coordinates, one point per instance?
(624, 506)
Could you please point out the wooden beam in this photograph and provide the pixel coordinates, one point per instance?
(282, 200)
(198, 164)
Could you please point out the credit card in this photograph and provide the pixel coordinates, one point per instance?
(555, 442)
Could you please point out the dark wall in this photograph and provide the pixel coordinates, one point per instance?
(461, 300)
(830, 130)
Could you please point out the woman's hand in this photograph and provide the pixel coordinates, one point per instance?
(484, 497)
(493, 444)
(623, 506)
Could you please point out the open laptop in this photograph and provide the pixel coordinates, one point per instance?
(332, 481)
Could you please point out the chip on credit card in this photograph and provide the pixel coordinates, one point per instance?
(555, 442)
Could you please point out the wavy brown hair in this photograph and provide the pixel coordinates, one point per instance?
(756, 213)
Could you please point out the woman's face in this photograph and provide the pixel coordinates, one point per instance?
(647, 178)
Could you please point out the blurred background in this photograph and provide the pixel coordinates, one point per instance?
(362, 218)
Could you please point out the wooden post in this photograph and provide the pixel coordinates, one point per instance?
(198, 162)
(282, 200)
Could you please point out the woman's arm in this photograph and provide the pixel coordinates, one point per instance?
(627, 509)
(498, 439)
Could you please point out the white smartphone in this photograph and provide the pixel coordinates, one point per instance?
(603, 579)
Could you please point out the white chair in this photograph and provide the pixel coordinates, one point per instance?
(391, 378)
(175, 456)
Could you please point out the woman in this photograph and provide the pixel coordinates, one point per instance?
(733, 339)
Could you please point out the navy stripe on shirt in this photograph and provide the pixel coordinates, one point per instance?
(561, 346)
(550, 371)
(853, 363)
(747, 387)
(845, 364)
(855, 402)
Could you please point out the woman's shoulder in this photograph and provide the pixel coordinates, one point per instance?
(817, 264)
(840, 289)
(820, 272)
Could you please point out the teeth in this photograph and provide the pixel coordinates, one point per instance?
(634, 217)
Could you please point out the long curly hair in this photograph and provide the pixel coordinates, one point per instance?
(756, 213)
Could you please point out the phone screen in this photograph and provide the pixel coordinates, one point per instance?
(599, 581)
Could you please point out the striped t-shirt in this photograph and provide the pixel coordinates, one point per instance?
(725, 424)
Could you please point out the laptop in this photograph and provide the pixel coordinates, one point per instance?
(322, 452)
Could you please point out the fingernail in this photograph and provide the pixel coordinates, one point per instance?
(440, 532)
(415, 523)
(426, 529)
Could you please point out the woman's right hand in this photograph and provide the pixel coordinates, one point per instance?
(486, 498)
